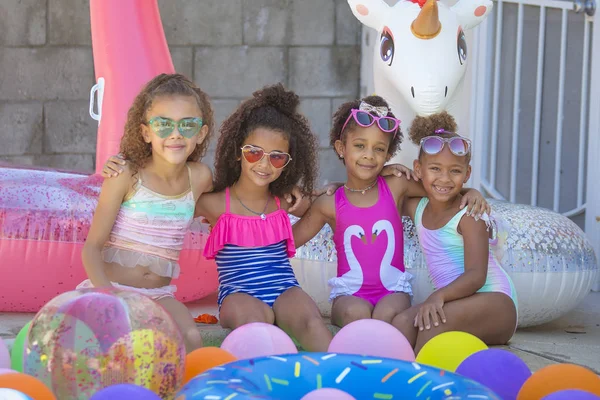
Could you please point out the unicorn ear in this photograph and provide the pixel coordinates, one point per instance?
(471, 13)
(370, 12)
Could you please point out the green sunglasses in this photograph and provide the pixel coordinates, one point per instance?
(163, 127)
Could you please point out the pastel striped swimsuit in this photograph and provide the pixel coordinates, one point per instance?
(444, 251)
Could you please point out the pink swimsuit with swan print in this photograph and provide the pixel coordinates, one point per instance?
(370, 248)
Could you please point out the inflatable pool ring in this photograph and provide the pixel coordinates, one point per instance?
(293, 376)
(420, 56)
(45, 215)
(551, 262)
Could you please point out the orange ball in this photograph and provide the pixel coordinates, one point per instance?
(203, 359)
(26, 384)
(557, 377)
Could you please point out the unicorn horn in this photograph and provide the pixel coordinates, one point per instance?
(427, 24)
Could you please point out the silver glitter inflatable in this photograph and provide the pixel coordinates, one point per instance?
(550, 260)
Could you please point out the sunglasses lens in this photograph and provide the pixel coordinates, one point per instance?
(387, 124)
(253, 154)
(432, 145)
(363, 118)
(190, 127)
(279, 160)
(459, 146)
(162, 127)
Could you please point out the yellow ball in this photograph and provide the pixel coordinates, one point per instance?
(449, 349)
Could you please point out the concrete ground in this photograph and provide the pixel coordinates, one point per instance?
(574, 338)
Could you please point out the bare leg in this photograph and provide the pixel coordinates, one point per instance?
(185, 322)
(297, 314)
(240, 308)
(346, 309)
(491, 317)
(390, 306)
(405, 323)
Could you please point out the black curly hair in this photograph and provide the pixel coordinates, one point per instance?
(342, 114)
(272, 107)
(426, 126)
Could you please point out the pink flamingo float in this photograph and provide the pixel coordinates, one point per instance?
(45, 214)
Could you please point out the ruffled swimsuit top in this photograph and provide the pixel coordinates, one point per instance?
(150, 229)
(250, 231)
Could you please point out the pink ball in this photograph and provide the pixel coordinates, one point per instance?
(327, 394)
(371, 337)
(7, 371)
(258, 339)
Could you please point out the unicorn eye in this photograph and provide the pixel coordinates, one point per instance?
(386, 49)
(461, 46)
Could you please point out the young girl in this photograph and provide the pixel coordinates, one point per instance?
(473, 293)
(371, 281)
(142, 215)
(265, 148)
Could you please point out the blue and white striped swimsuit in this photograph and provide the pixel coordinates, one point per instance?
(262, 272)
(252, 253)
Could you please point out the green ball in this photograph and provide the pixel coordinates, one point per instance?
(16, 354)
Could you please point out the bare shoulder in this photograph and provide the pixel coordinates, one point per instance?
(469, 226)
(202, 179)
(397, 184)
(325, 205)
(211, 206)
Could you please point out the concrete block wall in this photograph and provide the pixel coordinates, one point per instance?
(229, 47)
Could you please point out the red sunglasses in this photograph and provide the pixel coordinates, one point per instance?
(254, 154)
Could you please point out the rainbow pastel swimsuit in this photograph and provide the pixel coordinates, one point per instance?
(370, 248)
(444, 251)
(149, 231)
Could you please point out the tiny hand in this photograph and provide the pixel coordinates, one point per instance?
(294, 199)
(431, 310)
(398, 170)
(328, 189)
(113, 166)
(476, 204)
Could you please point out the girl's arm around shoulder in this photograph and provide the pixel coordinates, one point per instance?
(109, 203)
(475, 236)
(202, 178)
(321, 212)
(404, 187)
(210, 206)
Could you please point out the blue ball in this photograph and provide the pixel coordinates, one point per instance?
(12, 394)
(125, 391)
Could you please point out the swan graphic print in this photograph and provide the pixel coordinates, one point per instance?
(370, 246)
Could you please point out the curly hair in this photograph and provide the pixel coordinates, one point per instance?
(133, 147)
(342, 114)
(272, 107)
(426, 126)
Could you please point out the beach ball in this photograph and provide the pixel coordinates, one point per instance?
(85, 340)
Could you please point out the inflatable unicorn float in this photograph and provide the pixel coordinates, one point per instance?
(45, 214)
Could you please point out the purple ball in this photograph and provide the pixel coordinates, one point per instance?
(571, 394)
(125, 391)
(500, 370)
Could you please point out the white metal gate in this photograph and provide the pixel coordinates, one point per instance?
(535, 111)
